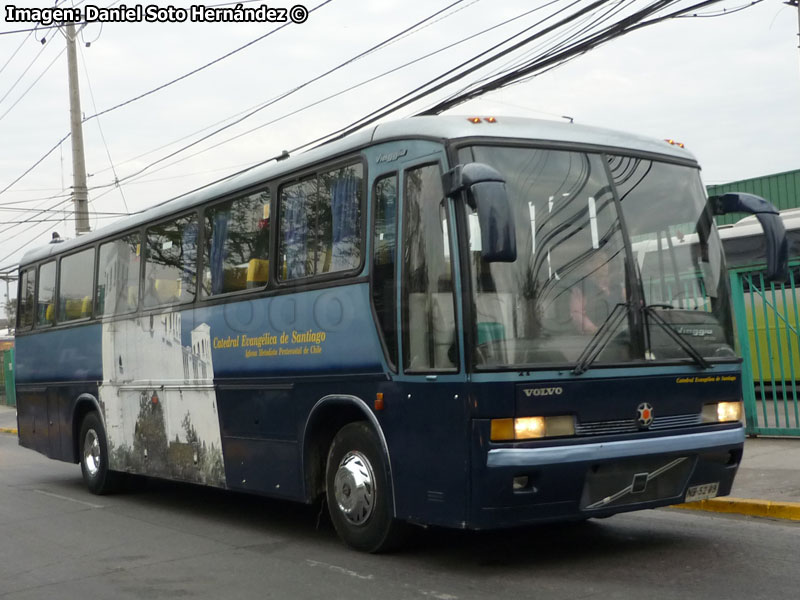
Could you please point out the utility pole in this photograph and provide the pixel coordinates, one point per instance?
(80, 195)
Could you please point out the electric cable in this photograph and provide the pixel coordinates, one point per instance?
(25, 72)
(339, 93)
(201, 68)
(282, 96)
(100, 128)
(35, 81)
(13, 54)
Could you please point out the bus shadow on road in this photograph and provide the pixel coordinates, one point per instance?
(266, 519)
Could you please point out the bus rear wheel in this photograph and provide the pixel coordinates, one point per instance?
(93, 449)
(359, 491)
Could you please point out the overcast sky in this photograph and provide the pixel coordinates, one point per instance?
(728, 87)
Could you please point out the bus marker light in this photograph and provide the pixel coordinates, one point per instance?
(379, 401)
(490, 120)
(474, 119)
(502, 429)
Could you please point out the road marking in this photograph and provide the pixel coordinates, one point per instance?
(342, 570)
(60, 497)
(438, 595)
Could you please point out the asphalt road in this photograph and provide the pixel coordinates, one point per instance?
(163, 540)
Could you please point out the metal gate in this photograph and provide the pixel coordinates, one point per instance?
(767, 326)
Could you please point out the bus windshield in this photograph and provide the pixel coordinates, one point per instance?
(571, 277)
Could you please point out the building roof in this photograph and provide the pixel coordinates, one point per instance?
(782, 189)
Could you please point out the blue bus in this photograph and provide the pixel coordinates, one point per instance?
(437, 321)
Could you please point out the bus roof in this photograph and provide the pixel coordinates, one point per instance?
(430, 127)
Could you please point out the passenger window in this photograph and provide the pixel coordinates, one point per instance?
(118, 276)
(26, 304)
(75, 286)
(321, 224)
(429, 339)
(236, 249)
(171, 263)
(45, 310)
(384, 282)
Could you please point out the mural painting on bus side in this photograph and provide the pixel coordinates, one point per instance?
(158, 395)
(157, 422)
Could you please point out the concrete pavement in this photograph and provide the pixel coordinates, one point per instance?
(768, 483)
(8, 419)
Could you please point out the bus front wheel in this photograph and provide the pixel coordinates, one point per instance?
(358, 490)
(93, 448)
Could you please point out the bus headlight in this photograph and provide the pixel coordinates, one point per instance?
(722, 412)
(531, 428)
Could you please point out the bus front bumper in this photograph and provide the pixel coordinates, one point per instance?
(594, 479)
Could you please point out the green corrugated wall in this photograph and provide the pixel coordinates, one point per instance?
(782, 189)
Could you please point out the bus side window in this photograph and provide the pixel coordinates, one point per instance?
(428, 303)
(236, 253)
(118, 276)
(384, 278)
(75, 286)
(26, 303)
(45, 310)
(320, 224)
(171, 263)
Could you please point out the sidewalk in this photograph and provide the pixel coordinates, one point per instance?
(768, 483)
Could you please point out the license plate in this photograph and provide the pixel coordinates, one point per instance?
(702, 492)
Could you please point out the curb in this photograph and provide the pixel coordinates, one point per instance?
(744, 506)
(7, 430)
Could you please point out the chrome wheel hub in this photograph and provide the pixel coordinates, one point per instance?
(354, 488)
(91, 452)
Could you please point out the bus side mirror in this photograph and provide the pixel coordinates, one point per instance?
(486, 193)
(771, 223)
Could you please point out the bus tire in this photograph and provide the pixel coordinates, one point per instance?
(359, 491)
(93, 453)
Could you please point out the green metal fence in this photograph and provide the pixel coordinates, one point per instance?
(8, 377)
(767, 323)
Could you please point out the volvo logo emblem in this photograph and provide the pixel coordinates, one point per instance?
(644, 415)
(545, 391)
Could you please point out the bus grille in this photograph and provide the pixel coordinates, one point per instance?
(630, 425)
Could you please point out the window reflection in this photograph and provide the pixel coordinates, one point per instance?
(569, 272)
(171, 266)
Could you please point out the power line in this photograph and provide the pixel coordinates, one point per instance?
(626, 25)
(30, 30)
(100, 128)
(284, 95)
(10, 58)
(35, 81)
(721, 13)
(453, 74)
(341, 92)
(198, 69)
(255, 108)
(25, 72)
(161, 87)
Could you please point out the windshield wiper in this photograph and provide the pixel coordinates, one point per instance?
(676, 337)
(601, 338)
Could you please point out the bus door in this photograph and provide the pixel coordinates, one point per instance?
(415, 288)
